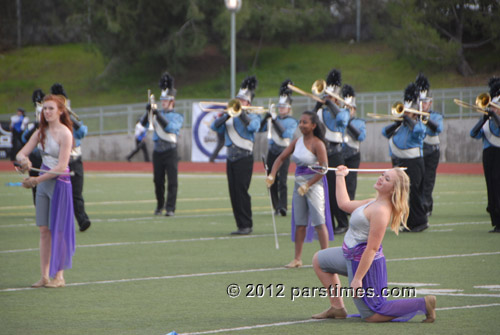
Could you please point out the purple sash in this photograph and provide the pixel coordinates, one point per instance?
(310, 231)
(62, 224)
(376, 278)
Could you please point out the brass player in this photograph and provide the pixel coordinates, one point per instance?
(433, 127)
(239, 139)
(488, 129)
(167, 125)
(355, 133)
(282, 129)
(335, 120)
(405, 145)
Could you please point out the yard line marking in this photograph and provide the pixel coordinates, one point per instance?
(114, 244)
(278, 324)
(457, 223)
(453, 294)
(443, 256)
(466, 307)
(203, 274)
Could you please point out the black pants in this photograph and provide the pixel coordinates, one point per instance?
(36, 162)
(415, 171)
(239, 176)
(431, 162)
(140, 145)
(351, 180)
(165, 162)
(335, 160)
(17, 144)
(491, 166)
(279, 190)
(76, 165)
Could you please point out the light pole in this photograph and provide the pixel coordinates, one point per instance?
(233, 6)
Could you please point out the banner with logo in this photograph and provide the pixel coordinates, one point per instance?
(204, 139)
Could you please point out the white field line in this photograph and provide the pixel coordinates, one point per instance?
(203, 274)
(278, 324)
(174, 241)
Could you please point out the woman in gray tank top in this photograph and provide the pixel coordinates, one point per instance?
(308, 204)
(54, 200)
(361, 258)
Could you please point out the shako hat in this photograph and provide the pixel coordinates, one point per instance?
(285, 99)
(166, 85)
(247, 89)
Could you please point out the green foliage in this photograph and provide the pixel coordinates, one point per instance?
(439, 31)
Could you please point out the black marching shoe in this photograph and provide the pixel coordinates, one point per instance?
(84, 226)
(158, 211)
(419, 228)
(339, 230)
(283, 212)
(496, 229)
(169, 213)
(242, 231)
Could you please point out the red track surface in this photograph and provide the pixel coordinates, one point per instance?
(446, 168)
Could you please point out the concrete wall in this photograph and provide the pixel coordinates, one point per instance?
(456, 144)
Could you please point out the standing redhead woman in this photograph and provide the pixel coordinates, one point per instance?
(361, 258)
(54, 202)
(309, 208)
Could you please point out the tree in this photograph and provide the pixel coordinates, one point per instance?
(442, 30)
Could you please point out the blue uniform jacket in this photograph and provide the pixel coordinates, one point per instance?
(494, 130)
(175, 121)
(290, 125)
(404, 138)
(247, 132)
(337, 123)
(437, 118)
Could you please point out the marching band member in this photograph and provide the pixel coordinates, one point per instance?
(35, 157)
(354, 135)
(433, 128)
(282, 131)
(488, 129)
(76, 163)
(335, 120)
(167, 125)
(140, 142)
(239, 139)
(405, 146)
(18, 124)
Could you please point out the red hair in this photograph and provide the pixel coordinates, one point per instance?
(63, 118)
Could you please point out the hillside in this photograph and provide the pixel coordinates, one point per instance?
(367, 67)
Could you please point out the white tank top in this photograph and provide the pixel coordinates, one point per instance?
(302, 156)
(50, 156)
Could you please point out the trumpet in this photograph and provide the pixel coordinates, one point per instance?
(233, 107)
(398, 109)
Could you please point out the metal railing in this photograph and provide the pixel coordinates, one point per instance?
(114, 119)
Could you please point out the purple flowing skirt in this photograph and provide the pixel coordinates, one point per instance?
(376, 278)
(62, 225)
(310, 231)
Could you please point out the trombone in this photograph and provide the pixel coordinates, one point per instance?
(398, 109)
(384, 117)
(233, 107)
(310, 95)
(483, 101)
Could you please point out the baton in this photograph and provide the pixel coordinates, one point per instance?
(272, 208)
(324, 169)
(71, 173)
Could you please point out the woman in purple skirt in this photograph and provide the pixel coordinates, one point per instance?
(54, 202)
(361, 258)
